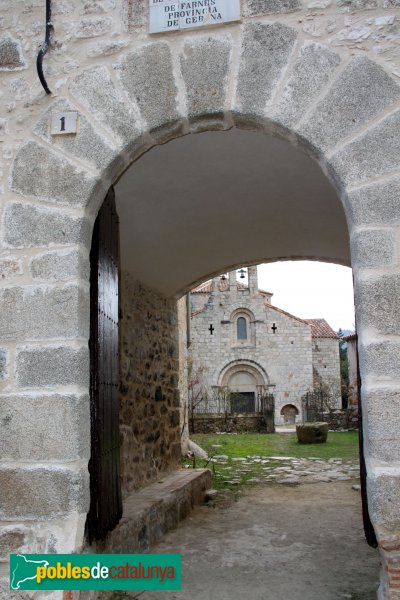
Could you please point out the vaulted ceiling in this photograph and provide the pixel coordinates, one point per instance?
(203, 203)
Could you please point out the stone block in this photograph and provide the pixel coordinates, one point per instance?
(135, 14)
(93, 27)
(312, 433)
(27, 226)
(380, 359)
(359, 94)
(376, 204)
(375, 153)
(40, 313)
(309, 76)
(205, 65)
(382, 407)
(106, 48)
(383, 499)
(49, 367)
(373, 248)
(3, 364)
(11, 58)
(175, 418)
(4, 127)
(378, 304)
(37, 171)
(12, 540)
(60, 266)
(10, 267)
(176, 451)
(40, 493)
(358, 4)
(266, 49)
(87, 144)
(44, 427)
(95, 89)
(258, 8)
(184, 501)
(148, 78)
(15, 595)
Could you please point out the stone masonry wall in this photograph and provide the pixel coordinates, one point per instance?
(343, 419)
(282, 358)
(149, 400)
(326, 364)
(323, 74)
(338, 420)
(228, 424)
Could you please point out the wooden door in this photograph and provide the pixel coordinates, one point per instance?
(104, 465)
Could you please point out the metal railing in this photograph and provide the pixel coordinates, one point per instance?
(234, 403)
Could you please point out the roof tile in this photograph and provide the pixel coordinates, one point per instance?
(321, 329)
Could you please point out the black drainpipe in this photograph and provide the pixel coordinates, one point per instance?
(44, 48)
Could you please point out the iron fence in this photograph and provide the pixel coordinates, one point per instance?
(232, 403)
(314, 406)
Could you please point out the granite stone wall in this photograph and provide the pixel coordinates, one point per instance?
(322, 74)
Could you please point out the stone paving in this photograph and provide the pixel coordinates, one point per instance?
(285, 470)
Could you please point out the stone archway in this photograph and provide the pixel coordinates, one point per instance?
(289, 413)
(257, 376)
(266, 81)
(246, 381)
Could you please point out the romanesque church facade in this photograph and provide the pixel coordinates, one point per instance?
(244, 345)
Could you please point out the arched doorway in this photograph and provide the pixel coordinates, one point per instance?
(154, 101)
(243, 388)
(289, 413)
(246, 381)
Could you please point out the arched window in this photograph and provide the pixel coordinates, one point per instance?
(241, 328)
(243, 333)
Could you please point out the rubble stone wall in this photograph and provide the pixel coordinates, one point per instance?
(149, 396)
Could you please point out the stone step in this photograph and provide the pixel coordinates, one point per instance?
(149, 513)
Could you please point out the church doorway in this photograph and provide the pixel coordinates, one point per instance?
(289, 413)
(243, 402)
(243, 392)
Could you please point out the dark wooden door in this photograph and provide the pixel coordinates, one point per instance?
(104, 466)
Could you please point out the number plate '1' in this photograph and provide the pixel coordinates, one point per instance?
(63, 123)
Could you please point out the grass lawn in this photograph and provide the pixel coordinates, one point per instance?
(340, 444)
(231, 475)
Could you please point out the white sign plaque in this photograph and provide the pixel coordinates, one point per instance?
(64, 123)
(167, 15)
